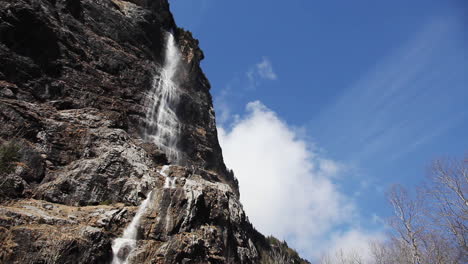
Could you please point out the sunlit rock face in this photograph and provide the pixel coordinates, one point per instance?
(113, 154)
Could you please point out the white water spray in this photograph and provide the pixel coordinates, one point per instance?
(123, 246)
(163, 127)
(170, 182)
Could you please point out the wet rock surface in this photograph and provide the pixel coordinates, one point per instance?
(74, 77)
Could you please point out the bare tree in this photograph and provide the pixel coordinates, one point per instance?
(326, 259)
(380, 252)
(342, 257)
(438, 249)
(406, 220)
(430, 227)
(447, 191)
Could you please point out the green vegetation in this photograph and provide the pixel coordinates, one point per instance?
(283, 246)
(106, 202)
(9, 154)
(280, 252)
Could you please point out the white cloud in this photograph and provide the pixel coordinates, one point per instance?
(265, 69)
(222, 106)
(378, 220)
(353, 243)
(286, 186)
(329, 167)
(261, 71)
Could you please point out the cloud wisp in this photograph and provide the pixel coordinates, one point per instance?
(256, 74)
(287, 187)
(410, 95)
(261, 71)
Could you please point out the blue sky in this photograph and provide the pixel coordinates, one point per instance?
(366, 92)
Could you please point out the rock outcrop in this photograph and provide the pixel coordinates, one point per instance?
(74, 165)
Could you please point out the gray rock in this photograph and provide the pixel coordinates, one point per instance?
(7, 93)
(48, 206)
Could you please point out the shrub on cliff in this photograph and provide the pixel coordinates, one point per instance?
(280, 252)
(9, 154)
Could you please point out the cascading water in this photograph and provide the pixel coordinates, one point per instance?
(170, 182)
(163, 127)
(123, 246)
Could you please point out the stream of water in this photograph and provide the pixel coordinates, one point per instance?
(163, 129)
(163, 126)
(123, 246)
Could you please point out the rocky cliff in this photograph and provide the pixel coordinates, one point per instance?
(75, 162)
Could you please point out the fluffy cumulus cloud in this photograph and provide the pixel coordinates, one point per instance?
(287, 187)
(261, 71)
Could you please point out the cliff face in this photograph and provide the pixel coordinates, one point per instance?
(75, 77)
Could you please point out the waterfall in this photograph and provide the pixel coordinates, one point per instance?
(123, 246)
(163, 127)
(170, 182)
